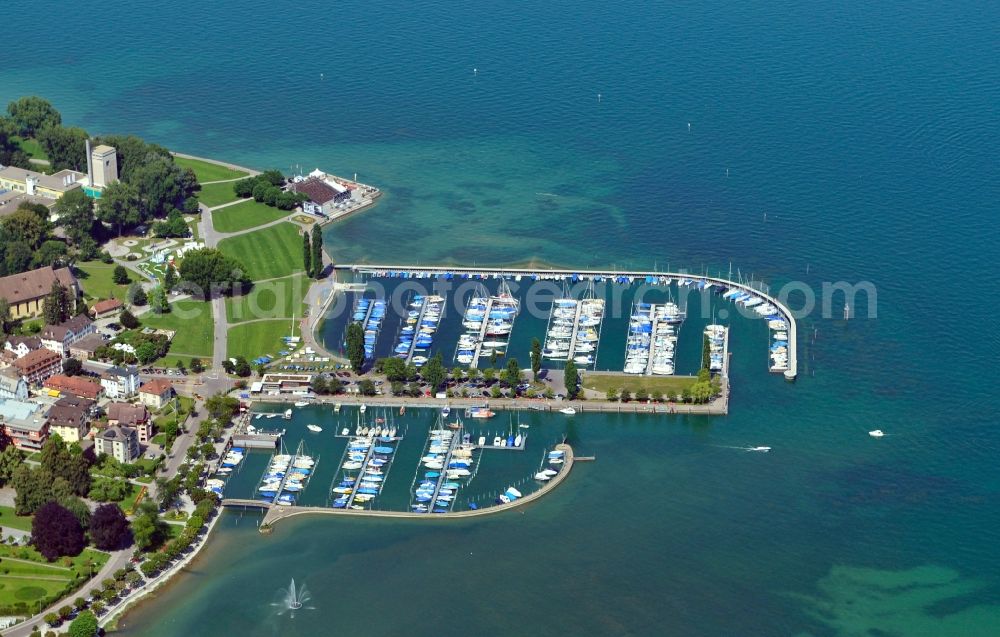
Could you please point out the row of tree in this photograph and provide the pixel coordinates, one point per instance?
(312, 252)
(266, 188)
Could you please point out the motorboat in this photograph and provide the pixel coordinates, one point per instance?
(569, 411)
(301, 403)
(876, 433)
(763, 449)
(314, 428)
(542, 476)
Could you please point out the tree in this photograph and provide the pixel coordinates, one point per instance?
(17, 258)
(434, 372)
(56, 307)
(158, 300)
(159, 184)
(244, 187)
(31, 114)
(5, 317)
(109, 528)
(242, 367)
(611, 395)
(208, 269)
(319, 385)
(222, 407)
(197, 366)
(394, 368)
(148, 530)
(173, 226)
(306, 254)
(26, 226)
(136, 295)
(170, 278)
(10, 153)
(536, 357)
(366, 387)
(76, 214)
(128, 320)
(85, 625)
(625, 395)
(72, 367)
(66, 147)
(81, 307)
(56, 532)
(571, 379)
(146, 353)
(10, 460)
(119, 206)
(512, 375)
(706, 352)
(78, 508)
(120, 275)
(356, 346)
(317, 251)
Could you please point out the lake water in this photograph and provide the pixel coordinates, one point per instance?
(803, 142)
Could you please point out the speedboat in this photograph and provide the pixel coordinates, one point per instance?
(301, 403)
(314, 428)
(542, 476)
(764, 449)
(876, 433)
(569, 411)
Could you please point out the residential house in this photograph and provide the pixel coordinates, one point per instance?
(24, 423)
(38, 365)
(106, 308)
(70, 418)
(26, 292)
(21, 345)
(156, 393)
(84, 348)
(121, 443)
(12, 385)
(74, 386)
(59, 338)
(120, 381)
(135, 417)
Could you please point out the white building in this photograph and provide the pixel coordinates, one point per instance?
(120, 382)
(58, 338)
(12, 385)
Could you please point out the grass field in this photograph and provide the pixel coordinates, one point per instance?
(206, 171)
(667, 385)
(28, 581)
(217, 194)
(251, 340)
(32, 148)
(95, 279)
(269, 253)
(280, 298)
(247, 214)
(192, 320)
(9, 520)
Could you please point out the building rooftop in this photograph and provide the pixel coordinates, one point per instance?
(316, 189)
(72, 414)
(106, 306)
(62, 181)
(35, 358)
(127, 414)
(74, 385)
(17, 410)
(119, 371)
(117, 434)
(58, 332)
(31, 342)
(11, 199)
(157, 387)
(89, 343)
(33, 284)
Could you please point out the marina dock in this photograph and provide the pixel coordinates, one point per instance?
(617, 276)
(273, 513)
(482, 333)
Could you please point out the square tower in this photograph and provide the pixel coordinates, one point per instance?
(105, 165)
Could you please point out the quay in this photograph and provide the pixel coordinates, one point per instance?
(273, 513)
(620, 276)
(482, 332)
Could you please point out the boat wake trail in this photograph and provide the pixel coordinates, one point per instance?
(757, 449)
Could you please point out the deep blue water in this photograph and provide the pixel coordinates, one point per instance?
(860, 143)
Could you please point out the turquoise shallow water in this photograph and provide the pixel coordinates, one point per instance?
(866, 134)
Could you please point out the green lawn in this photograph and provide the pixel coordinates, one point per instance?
(268, 253)
(28, 581)
(206, 171)
(8, 519)
(280, 298)
(217, 194)
(247, 214)
(195, 233)
(668, 385)
(251, 340)
(32, 148)
(95, 279)
(193, 324)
